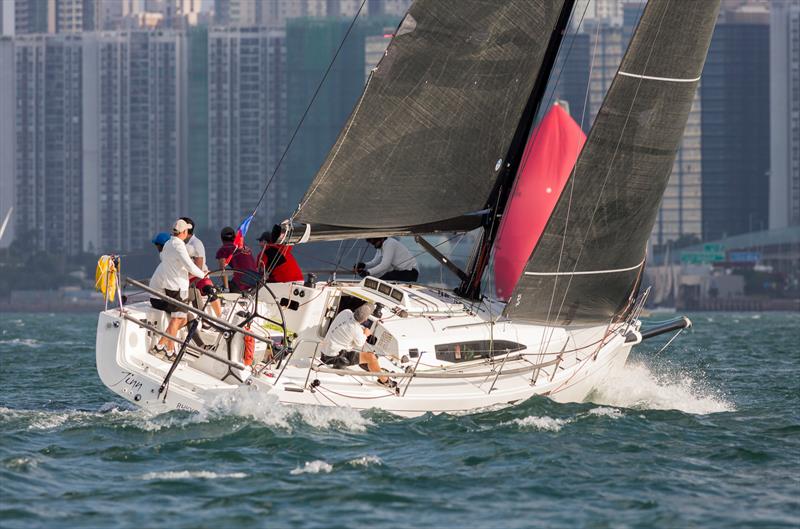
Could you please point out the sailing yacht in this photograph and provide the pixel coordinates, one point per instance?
(441, 141)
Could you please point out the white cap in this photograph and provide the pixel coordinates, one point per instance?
(180, 226)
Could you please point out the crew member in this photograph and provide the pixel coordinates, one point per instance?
(197, 251)
(392, 261)
(276, 260)
(346, 337)
(172, 278)
(160, 240)
(245, 275)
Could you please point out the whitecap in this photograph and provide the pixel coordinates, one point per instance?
(191, 474)
(636, 386)
(612, 413)
(22, 463)
(267, 409)
(313, 467)
(365, 461)
(27, 342)
(48, 421)
(547, 424)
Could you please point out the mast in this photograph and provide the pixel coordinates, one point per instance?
(471, 287)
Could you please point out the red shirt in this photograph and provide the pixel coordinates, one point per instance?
(242, 260)
(279, 259)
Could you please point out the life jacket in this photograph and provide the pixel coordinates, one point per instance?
(288, 270)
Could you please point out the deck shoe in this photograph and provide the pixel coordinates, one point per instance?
(391, 384)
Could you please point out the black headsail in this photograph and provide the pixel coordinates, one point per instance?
(587, 262)
(425, 145)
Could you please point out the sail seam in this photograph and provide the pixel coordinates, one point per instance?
(585, 272)
(654, 78)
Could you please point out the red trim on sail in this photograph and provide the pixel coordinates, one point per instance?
(549, 157)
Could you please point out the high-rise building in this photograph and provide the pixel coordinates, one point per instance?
(310, 47)
(197, 133)
(246, 122)
(135, 136)
(31, 16)
(7, 138)
(48, 163)
(735, 127)
(784, 200)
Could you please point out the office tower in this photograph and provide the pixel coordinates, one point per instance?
(246, 122)
(31, 16)
(735, 126)
(7, 138)
(310, 47)
(606, 47)
(784, 71)
(48, 165)
(572, 73)
(197, 133)
(135, 136)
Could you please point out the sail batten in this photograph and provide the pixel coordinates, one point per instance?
(607, 210)
(428, 139)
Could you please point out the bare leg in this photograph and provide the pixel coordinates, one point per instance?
(372, 362)
(174, 326)
(217, 306)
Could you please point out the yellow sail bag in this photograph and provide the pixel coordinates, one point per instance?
(105, 276)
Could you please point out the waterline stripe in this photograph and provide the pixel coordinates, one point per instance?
(652, 78)
(585, 272)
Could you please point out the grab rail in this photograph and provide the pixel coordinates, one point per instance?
(197, 311)
(190, 347)
(428, 374)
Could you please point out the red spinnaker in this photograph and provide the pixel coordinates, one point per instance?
(547, 163)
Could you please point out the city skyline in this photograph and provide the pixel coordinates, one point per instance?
(191, 117)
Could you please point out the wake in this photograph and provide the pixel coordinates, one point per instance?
(639, 386)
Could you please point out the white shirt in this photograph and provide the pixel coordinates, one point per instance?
(344, 333)
(392, 255)
(196, 248)
(176, 265)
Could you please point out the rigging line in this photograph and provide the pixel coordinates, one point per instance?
(308, 108)
(670, 341)
(572, 179)
(613, 158)
(545, 344)
(614, 155)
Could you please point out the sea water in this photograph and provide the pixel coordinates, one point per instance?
(703, 434)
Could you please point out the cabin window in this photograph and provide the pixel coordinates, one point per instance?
(475, 350)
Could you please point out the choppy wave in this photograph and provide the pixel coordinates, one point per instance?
(637, 386)
(267, 409)
(365, 461)
(191, 474)
(548, 424)
(25, 342)
(313, 467)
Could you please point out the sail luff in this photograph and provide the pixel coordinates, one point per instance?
(590, 257)
(431, 132)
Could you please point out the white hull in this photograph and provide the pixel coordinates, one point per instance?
(432, 342)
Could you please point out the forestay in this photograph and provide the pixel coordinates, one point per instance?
(585, 266)
(423, 147)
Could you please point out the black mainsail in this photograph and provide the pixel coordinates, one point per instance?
(425, 145)
(587, 263)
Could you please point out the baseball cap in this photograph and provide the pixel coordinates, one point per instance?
(180, 226)
(227, 233)
(265, 237)
(161, 238)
